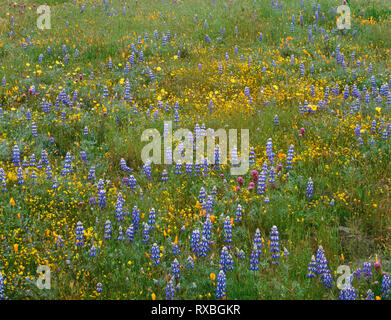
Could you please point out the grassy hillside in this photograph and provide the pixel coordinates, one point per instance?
(75, 100)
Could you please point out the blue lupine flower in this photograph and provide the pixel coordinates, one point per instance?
(327, 279)
(240, 254)
(197, 169)
(272, 175)
(221, 285)
(55, 184)
(79, 234)
(146, 229)
(220, 70)
(2, 294)
(275, 245)
(204, 247)
(91, 175)
(292, 59)
(310, 189)
(25, 163)
(152, 219)
(346, 92)
(105, 91)
(175, 269)
(170, 290)
(386, 285)
(238, 214)
(16, 156)
(67, 165)
(107, 233)
(120, 234)
(119, 207)
(102, 199)
(59, 242)
(261, 185)
(321, 262)
(20, 176)
(257, 241)
(276, 122)
(175, 249)
(201, 195)
(254, 259)
(358, 273)
(44, 158)
(301, 69)
(312, 271)
(164, 175)
(92, 251)
(147, 170)
(209, 205)
(367, 270)
(207, 228)
(385, 134)
(289, 158)
(99, 288)
(252, 156)
(322, 268)
(130, 233)
(32, 160)
(269, 150)
(136, 218)
(189, 168)
(190, 262)
(195, 242)
(226, 261)
(217, 158)
(3, 179)
(155, 254)
(33, 174)
(83, 156)
(348, 294)
(370, 295)
(227, 230)
(132, 182)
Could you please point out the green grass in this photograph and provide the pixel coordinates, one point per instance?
(356, 178)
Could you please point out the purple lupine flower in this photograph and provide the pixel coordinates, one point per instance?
(221, 285)
(170, 290)
(310, 189)
(16, 156)
(348, 294)
(226, 261)
(107, 232)
(254, 259)
(175, 269)
(195, 242)
(275, 245)
(227, 231)
(155, 254)
(130, 233)
(136, 218)
(238, 213)
(79, 234)
(386, 285)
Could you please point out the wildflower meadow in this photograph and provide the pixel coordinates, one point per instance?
(104, 105)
